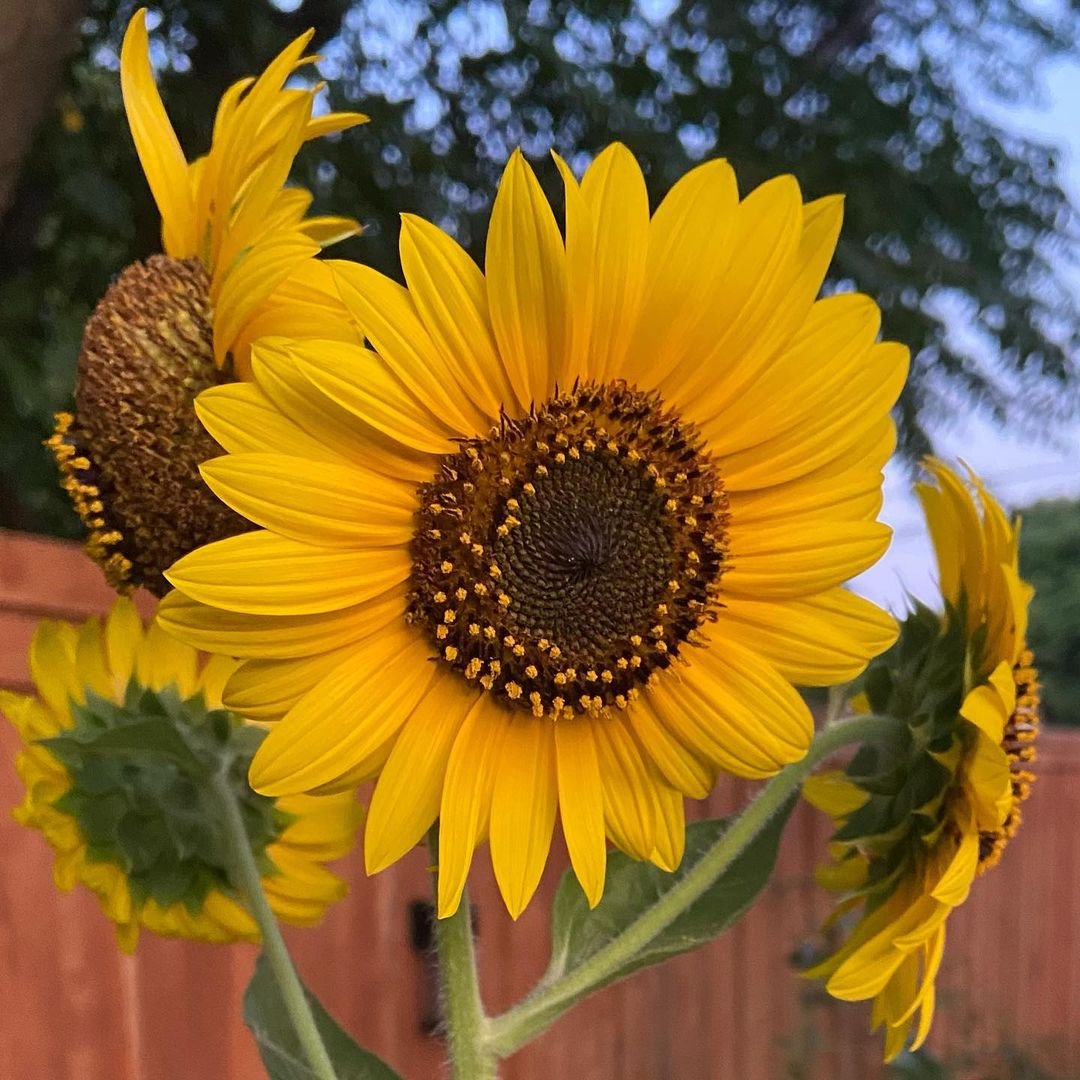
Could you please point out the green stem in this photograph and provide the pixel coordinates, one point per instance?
(250, 881)
(556, 993)
(467, 1026)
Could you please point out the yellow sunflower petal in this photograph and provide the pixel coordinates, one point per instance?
(259, 572)
(238, 634)
(123, 637)
(670, 828)
(304, 306)
(253, 280)
(679, 766)
(734, 709)
(686, 267)
(52, 666)
(523, 810)
(526, 283)
(772, 563)
(865, 972)
(822, 496)
(280, 377)
(821, 641)
(451, 299)
(954, 884)
(833, 794)
(985, 709)
(243, 419)
(755, 309)
(268, 689)
(875, 386)
(407, 796)
(630, 801)
(364, 384)
(808, 376)
(159, 152)
(613, 193)
(388, 315)
(164, 661)
(349, 714)
(335, 505)
(581, 803)
(466, 797)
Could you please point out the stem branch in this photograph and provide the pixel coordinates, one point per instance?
(557, 992)
(467, 1026)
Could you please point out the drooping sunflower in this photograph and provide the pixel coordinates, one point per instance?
(919, 822)
(561, 541)
(129, 829)
(238, 262)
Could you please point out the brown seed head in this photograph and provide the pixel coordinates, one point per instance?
(130, 456)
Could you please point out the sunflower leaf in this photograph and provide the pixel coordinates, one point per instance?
(280, 1049)
(632, 887)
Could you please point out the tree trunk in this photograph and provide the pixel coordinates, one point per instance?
(35, 36)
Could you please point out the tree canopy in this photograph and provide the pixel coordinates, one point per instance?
(949, 218)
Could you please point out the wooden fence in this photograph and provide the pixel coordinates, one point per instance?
(73, 1008)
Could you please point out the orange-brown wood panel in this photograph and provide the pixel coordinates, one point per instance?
(16, 629)
(74, 1007)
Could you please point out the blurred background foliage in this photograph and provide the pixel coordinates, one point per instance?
(1050, 560)
(951, 220)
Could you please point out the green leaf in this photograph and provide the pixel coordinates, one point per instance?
(141, 737)
(266, 1017)
(632, 887)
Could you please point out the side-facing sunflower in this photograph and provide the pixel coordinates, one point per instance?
(560, 543)
(919, 822)
(135, 830)
(239, 262)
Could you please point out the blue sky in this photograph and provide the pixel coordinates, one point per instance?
(1020, 468)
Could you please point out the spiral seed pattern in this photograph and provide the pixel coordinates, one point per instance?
(570, 555)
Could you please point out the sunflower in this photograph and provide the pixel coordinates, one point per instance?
(239, 262)
(919, 823)
(126, 829)
(562, 540)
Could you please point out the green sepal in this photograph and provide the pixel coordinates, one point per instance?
(140, 776)
(131, 740)
(269, 1022)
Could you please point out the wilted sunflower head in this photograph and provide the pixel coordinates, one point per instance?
(919, 818)
(239, 261)
(558, 545)
(136, 828)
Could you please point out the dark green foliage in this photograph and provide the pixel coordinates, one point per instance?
(1050, 560)
(139, 792)
(864, 98)
(272, 1028)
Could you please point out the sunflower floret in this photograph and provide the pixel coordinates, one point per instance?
(118, 750)
(919, 820)
(560, 543)
(239, 262)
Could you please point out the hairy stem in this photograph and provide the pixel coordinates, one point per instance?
(467, 1026)
(247, 876)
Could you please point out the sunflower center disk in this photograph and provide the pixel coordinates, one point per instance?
(130, 456)
(1018, 742)
(568, 556)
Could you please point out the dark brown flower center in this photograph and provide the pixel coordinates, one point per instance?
(572, 553)
(1018, 742)
(130, 456)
